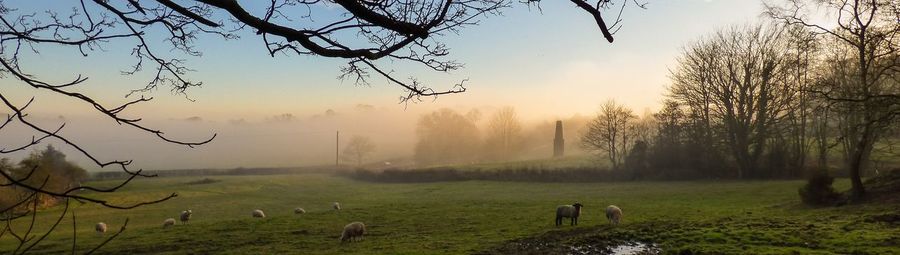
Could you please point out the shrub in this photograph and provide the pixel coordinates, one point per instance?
(818, 190)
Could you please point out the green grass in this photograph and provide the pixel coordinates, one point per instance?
(465, 217)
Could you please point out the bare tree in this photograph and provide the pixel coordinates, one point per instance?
(802, 55)
(610, 132)
(358, 149)
(163, 34)
(644, 128)
(504, 134)
(445, 136)
(870, 30)
(738, 74)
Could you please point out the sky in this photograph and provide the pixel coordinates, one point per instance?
(549, 64)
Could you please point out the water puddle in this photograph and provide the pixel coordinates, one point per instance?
(635, 248)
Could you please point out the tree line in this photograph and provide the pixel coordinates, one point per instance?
(446, 136)
(773, 100)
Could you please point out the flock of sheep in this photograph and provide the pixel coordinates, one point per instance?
(613, 213)
(355, 230)
(352, 232)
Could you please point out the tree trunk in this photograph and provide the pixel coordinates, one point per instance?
(857, 162)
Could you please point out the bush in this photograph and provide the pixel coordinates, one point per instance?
(818, 190)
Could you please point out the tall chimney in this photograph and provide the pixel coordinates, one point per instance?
(559, 144)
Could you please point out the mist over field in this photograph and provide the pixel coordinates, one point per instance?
(608, 127)
(284, 139)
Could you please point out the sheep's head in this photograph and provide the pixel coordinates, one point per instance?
(578, 207)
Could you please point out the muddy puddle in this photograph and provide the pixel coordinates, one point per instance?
(635, 248)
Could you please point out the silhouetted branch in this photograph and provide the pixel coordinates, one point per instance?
(58, 220)
(68, 193)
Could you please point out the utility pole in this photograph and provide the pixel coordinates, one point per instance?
(337, 146)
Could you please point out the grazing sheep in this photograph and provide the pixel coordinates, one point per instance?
(186, 216)
(258, 214)
(353, 232)
(568, 211)
(100, 227)
(168, 222)
(613, 214)
(336, 206)
(299, 210)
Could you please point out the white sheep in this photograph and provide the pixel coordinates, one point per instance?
(258, 214)
(100, 227)
(186, 216)
(168, 222)
(613, 214)
(336, 206)
(299, 210)
(568, 211)
(353, 232)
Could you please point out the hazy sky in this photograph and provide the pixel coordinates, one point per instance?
(548, 64)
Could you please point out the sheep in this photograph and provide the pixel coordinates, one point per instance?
(613, 214)
(568, 211)
(100, 227)
(336, 206)
(168, 222)
(299, 210)
(258, 214)
(353, 232)
(186, 216)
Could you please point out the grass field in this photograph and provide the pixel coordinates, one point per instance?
(470, 217)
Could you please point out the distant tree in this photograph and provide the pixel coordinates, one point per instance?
(358, 149)
(737, 79)
(504, 134)
(668, 147)
(9, 194)
(445, 136)
(609, 133)
(867, 91)
(644, 128)
(50, 165)
(638, 159)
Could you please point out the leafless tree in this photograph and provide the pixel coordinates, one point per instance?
(610, 132)
(802, 53)
(445, 136)
(738, 74)
(504, 131)
(358, 149)
(870, 30)
(644, 128)
(164, 34)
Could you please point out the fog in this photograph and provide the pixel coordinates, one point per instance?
(283, 139)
